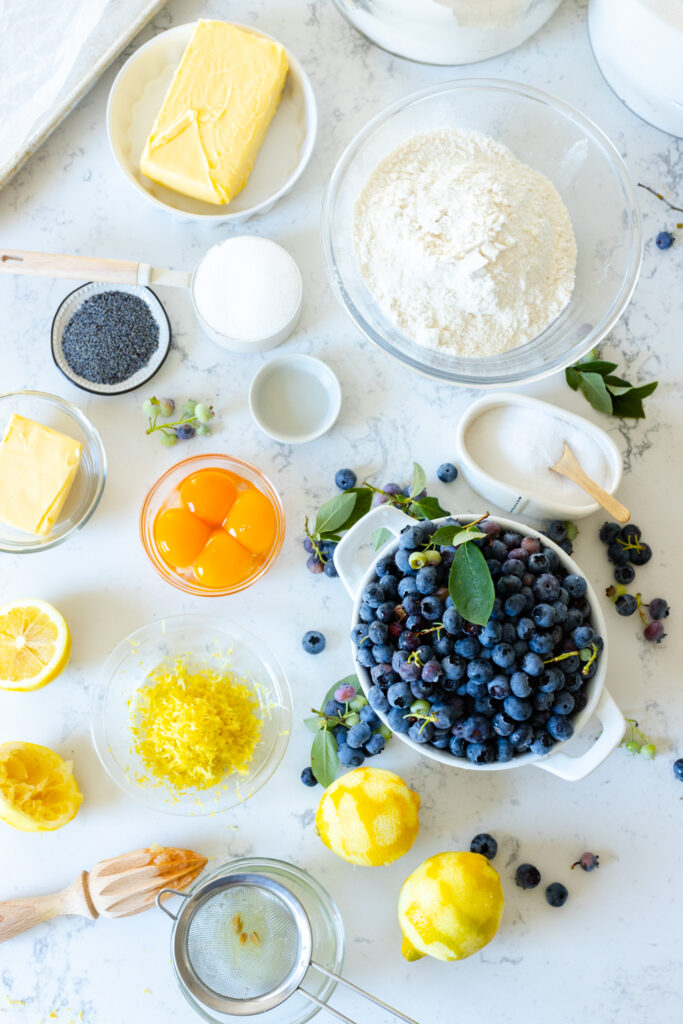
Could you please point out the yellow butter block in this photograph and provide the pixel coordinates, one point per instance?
(216, 113)
(37, 469)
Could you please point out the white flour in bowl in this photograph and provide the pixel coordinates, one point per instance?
(463, 247)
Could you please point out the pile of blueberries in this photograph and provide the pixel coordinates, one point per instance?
(485, 693)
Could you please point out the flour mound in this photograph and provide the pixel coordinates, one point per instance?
(463, 247)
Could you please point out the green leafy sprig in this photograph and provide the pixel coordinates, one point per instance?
(469, 580)
(344, 510)
(606, 392)
(194, 419)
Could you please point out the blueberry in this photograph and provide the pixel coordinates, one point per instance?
(340, 732)
(454, 667)
(372, 595)
(653, 632)
(443, 646)
(345, 478)
(314, 565)
(566, 546)
(366, 613)
(544, 615)
(431, 671)
(479, 753)
(385, 612)
(618, 555)
(556, 894)
(480, 671)
(457, 746)
(441, 739)
(398, 721)
(664, 240)
(546, 587)
(518, 710)
(508, 585)
(542, 644)
(542, 701)
(184, 431)
(375, 745)
(559, 727)
(408, 641)
(365, 657)
(476, 729)
(641, 555)
(588, 861)
(400, 696)
(443, 714)
(532, 664)
(409, 671)
(421, 732)
(388, 584)
(406, 586)
(452, 620)
(447, 472)
(525, 628)
(359, 633)
(575, 585)
(542, 743)
(503, 656)
(421, 688)
(485, 844)
(334, 709)
(368, 716)
(556, 530)
(658, 608)
(378, 699)
(515, 605)
(497, 551)
(350, 757)
(522, 736)
(426, 580)
(551, 680)
(467, 647)
(499, 687)
(538, 563)
(520, 684)
(432, 607)
(308, 778)
(678, 768)
(527, 876)
(609, 533)
(384, 565)
(411, 538)
(513, 567)
(382, 652)
(504, 749)
(626, 604)
(624, 574)
(378, 632)
(358, 735)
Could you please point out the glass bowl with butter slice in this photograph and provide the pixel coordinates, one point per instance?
(52, 471)
(156, 120)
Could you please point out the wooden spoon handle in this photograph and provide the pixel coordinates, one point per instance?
(18, 916)
(608, 501)
(75, 268)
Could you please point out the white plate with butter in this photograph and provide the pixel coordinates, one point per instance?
(137, 96)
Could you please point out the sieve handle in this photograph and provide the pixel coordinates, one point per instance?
(359, 991)
(169, 892)
(324, 1006)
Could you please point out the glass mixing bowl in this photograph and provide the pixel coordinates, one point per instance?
(218, 644)
(548, 135)
(88, 484)
(159, 493)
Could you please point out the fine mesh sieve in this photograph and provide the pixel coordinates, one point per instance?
(242, 945)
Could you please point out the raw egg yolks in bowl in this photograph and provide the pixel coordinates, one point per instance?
(215, 527)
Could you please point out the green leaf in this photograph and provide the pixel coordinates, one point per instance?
(572, 530)
(445, 534)
(313, 724)
(594, 390)
(618, 382)
(335, 537)
(630, 405)
(470, 585)
(573, 378)
(381, 536)
(419, 480)
(324, 758)
(361, 507)
(600, 366)
(335, 512)
(426, 508)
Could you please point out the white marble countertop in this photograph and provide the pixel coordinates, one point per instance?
(613, 953)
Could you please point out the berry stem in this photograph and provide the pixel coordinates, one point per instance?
(658, 195)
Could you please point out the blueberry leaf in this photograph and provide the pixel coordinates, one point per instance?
(324, 757)
(573, 378)
(419, 480)
(381, 536)
(470, 585)
(360, 508)
(594, 390)
(455, 535)
(630, 405)
(334, 513)
(313, 724)
(600, 366)
(426, 508)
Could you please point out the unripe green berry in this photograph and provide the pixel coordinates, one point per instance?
(420, 707)
(202, 430)
(168, 440)
(385, 731)
(433, 557)
(633, 746)
(648, 750)
(417, 560)
(358, 702)
(352, 719)
(189, 407)
(203, 412)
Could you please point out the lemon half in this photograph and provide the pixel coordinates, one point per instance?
(38, 792)
(34, 645)
(368, 816)
(450, 907)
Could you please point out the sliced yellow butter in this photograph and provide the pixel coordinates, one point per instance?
(216, 113)
(37, 469)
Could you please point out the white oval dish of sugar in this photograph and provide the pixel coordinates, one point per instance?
(507, 443)
(247, 293)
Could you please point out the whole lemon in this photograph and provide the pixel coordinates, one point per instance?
(368, 816)
(450, 907)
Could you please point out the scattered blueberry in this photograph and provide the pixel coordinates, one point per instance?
(556, 894)
(447, 472)
(345, 478)
(658, 608)
(308, 778)
(626, 604)
(587, 861)
(678, 768)
(485, 844)
(527, 876)
(664, 240)
(313, 642)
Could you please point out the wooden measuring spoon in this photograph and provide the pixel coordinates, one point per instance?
(88, 268)
(569, 466)
(118, 887)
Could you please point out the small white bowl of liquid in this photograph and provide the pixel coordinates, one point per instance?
(295, 398)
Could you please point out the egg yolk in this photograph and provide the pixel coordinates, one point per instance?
(222, 562)
(180, 536)
(209, 493)
(252, 521)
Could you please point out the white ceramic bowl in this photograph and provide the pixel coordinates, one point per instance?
(136, 98)
(284, 404)
(355, 573)
(532, 502)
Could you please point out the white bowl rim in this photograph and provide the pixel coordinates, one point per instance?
(265, 204)
(591, 338)
(596, 683)
(495, 398)
(322, 371)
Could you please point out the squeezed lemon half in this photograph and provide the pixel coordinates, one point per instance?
(38, 792)
(34, 645)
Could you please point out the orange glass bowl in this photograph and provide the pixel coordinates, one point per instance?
(163, 488)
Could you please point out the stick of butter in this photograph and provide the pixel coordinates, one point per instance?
(216, 113)
(37, 469)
